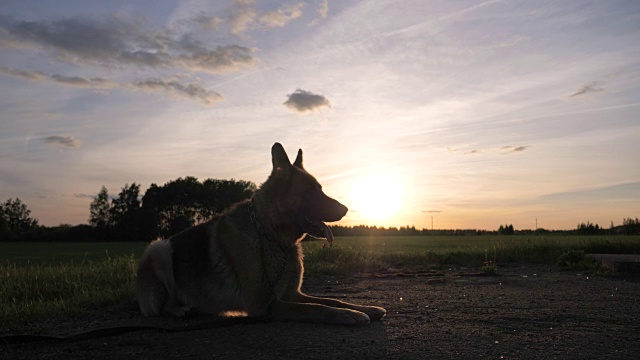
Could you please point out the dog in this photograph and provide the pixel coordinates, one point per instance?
(249, 259)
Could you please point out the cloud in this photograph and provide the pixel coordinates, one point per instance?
(67, 141)
(76, 81)
(208, 22)
(223, 59)
(431, 211)
(305, 101)
(113, 41)
(509, 149)
(244, 16)
(282, 16)
(624, 192)
(323, 11)
(323, 8)
(584, 90)
(511, 42)
(514, 149)
(190, 91)
(84, 196)
(22, 74)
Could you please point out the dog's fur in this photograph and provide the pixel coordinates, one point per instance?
(249, 259)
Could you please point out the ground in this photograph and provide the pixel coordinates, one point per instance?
(523, 312)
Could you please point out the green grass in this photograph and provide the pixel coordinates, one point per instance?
(351, 254)
(39, 280)
(37, 291)
(35, 253)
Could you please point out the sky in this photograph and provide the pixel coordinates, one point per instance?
(470, 114)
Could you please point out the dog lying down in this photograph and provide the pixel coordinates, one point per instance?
(249, 259)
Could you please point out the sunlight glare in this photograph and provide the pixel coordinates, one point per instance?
(377, 197)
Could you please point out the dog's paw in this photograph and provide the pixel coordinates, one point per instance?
(375, 312)
(347, 317)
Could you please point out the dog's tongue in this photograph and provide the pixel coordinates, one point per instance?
(326, 231)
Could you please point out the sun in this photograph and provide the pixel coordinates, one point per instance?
(377, 197)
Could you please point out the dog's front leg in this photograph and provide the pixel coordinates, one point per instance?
(374, 312)
(286, 310)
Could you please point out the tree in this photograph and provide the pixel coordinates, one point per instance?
(125, 212)
(588, 228)
(17, 216)
(506, 230)
(126, 203)
(184, 202)
(100, 210)
(5, 231)
(631, 226)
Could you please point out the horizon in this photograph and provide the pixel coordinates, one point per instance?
(471, 114)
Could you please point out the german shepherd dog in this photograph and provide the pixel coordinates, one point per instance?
(249, 259)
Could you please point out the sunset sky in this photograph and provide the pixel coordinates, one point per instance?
(475, 113)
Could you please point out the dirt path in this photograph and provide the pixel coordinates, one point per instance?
(529, 312)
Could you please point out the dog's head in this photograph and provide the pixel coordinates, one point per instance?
(300, 196)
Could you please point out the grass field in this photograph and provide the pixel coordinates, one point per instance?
(39, 280)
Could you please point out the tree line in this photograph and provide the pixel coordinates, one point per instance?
(165, 210)
(160, 212)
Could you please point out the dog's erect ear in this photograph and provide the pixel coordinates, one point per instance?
(281, 163)
(298, 162)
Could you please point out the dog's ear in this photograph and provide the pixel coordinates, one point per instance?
(298, 162)
(280, 160)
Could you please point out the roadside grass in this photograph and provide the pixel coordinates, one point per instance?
(44, 280)
(38, 291)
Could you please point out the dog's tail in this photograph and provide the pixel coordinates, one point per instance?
(154, 278)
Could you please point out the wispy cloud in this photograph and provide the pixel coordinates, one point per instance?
(76, 81)
(68, 141)
(586, 89)
(514, 149)
(305, 101)
(511, 42)
(190, 91)
(282, 16)
(323, 8)
(625, 191)
(242, 16)
(22, 74)
(114, 41)
(508, 149)
(473, 152)
(93, 83)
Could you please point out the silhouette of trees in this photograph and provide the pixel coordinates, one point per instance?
(5, 231)
(99, 210)
(631, 226)
(16, 218)
(588, 228)
(506, 230)
(184, 202)
(164, 210)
